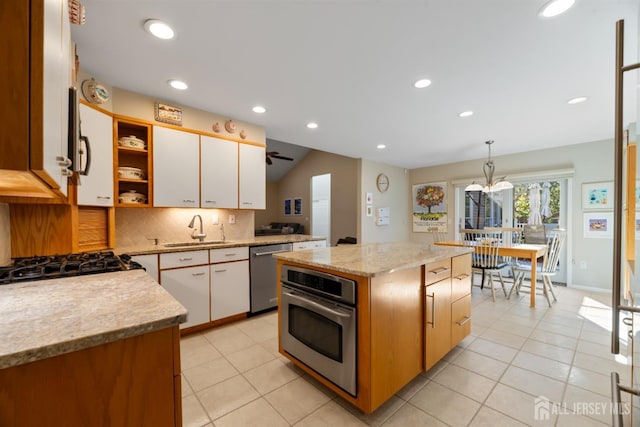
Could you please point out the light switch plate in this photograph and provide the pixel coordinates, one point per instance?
(215, 219)
(232, 219)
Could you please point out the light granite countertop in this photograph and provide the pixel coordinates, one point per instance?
(45, 318)
(373, 259)
(255, 241)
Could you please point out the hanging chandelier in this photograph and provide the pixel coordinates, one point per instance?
(491, 185)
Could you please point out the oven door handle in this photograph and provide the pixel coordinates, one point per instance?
(317, 305)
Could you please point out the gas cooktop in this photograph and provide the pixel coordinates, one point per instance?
(58, 266)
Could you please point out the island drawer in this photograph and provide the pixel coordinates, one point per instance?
(229, 254)
(460, 319)
(460, 276)
(437, 271)
(183, 259)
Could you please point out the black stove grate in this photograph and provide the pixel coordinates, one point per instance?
(57, 266)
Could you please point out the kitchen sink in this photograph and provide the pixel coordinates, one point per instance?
(205, 243)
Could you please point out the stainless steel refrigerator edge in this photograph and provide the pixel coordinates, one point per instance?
(263, 275)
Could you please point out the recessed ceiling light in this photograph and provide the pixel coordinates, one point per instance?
(312, 125)
(258, 109)
(555, 7)
(159, 29)
(577, 100)
(422, 83)
(381, 146)
(466, 114)
(178, 84)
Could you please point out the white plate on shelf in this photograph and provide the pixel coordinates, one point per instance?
(127, 172)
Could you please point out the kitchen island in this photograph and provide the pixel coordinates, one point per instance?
(90, 350)
(394, 310)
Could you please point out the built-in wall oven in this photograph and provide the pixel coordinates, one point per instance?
(318, 323)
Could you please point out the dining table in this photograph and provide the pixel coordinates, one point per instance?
(517, 250)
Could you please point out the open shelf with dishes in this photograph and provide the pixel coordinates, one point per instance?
(132, 166)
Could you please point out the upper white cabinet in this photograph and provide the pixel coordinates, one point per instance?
(252, 177)
(176, 159)
(56, 76)
(97, 187)
(219, 173)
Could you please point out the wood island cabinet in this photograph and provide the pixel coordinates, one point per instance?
(129, 382)
(447, 302)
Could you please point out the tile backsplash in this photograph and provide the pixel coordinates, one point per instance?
(139, 227)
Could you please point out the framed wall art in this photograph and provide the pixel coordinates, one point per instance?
(297, 206)
(598, 225)
(168, 114)
(597, 196)
(287, 206)
(429, 207)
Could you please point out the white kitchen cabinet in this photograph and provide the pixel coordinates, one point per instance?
(219, 173)
(190, 286)
(229, 282)
(97, 188)
(185, 275)
(57, 79)
(312, 244)
(252, 177)
(229, 289)
(150, 264)
(176, 171)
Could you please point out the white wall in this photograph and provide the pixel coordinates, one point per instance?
(397, 198)
(592, 162)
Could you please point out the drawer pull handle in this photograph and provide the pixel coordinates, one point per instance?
(439, 270)
(462, 322)
(462, 276)
(220, 271)
(210, 201)
(103, 197)
(247, 203)
(433, 310)
(197, 274)
(188, 201)
(185, 259)
(230, 254)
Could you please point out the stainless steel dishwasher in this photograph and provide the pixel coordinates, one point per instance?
(263, 275)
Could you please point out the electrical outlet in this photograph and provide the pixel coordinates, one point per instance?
(232, 219)
(583, 265)
(215, 219)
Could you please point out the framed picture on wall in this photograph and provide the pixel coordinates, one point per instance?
(598, 225)
(297, 206)
(597, 195)
(429, 207)
(287, 206)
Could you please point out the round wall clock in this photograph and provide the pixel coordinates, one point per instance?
(382, 182)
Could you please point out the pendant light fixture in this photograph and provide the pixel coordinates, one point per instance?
(491, 185)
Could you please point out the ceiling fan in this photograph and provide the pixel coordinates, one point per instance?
(276, 155)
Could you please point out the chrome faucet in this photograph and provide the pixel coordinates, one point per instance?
(195, 235)
(222, 236)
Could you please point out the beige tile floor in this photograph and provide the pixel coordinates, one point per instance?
(234, 375)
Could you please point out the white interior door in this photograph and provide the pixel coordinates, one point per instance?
(321, 206)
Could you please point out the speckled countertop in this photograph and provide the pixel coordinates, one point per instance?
(373, 259)
(41, 319)
(255, 241)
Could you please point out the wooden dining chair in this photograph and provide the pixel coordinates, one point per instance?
(438, 236)
(485, 259)
(547, 269)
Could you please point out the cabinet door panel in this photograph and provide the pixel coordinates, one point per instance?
(190, 286)
(437, 322)
(252, 177)
(176, 171)
(219, 173)
(229, 289)
(460, 319)
(97, 188)
(460, 276)
(150, 264)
